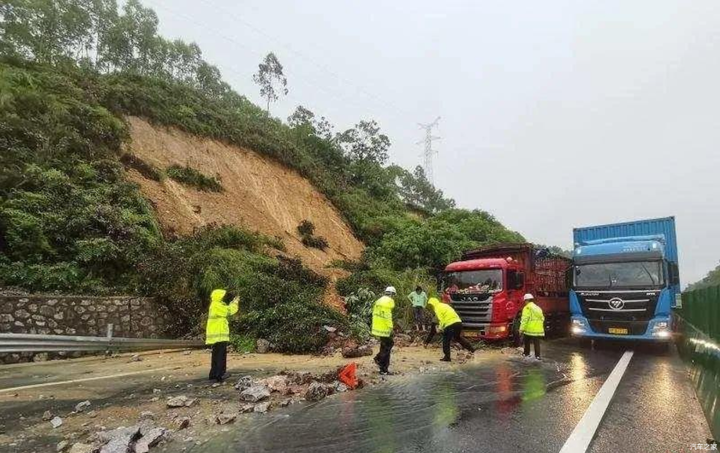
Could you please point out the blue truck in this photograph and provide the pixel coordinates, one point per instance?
(625, 280)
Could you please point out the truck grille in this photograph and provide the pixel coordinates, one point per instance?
(618, 306)
(475, 310)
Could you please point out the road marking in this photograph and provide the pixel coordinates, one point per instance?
(74, 381)
(582, 435)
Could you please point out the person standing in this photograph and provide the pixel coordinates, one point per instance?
(451, 326)
(223, 304)
(418, 299)
(532, 326)
(382, 327)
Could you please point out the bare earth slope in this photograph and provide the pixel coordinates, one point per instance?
(260, 194)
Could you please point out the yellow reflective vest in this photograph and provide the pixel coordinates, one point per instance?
(444, 313)
(382, 322)
(532, 322)
(217, 328)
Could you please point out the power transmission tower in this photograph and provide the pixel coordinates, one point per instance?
(429, 151)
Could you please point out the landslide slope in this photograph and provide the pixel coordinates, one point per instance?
(259, 194)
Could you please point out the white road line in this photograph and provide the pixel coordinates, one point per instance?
(74, 381)
(582, 435)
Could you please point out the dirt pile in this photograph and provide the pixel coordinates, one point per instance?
(259, 194)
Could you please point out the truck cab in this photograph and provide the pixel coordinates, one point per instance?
(486, 289)
(625, 286)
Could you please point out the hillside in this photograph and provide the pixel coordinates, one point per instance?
(259, 194)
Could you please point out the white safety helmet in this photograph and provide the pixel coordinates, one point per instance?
(390, 290)
(528, 296)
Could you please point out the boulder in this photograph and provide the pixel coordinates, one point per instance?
(120, 439)
(255, 393)
(316, 392)
(244, 383)
(150, 439)
(276, 383)
(56, 422)
(262, 407)
(224, 419)
(79, 407)
(350, 352)
(180, 401)
(262, 346)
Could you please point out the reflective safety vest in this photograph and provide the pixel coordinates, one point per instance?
(382, 323)
(444, 313)
(532, 322)
(217, 328)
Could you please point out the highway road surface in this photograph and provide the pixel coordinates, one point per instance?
(615, 398)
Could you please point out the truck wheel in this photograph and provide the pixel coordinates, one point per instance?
(516, 337)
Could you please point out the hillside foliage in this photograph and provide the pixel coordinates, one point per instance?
(70, 72)
(711, 279)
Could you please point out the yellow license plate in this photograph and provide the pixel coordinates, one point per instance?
(471, 334)
(618, 331)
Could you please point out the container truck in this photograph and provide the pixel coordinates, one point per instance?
(487, 285)
(625, 280)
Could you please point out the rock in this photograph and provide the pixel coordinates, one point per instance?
(147, 415)
(177, 401)
(402, 340)
(340, 387)
(329, 329)
(262, 346)
(40, 356)
(244, 382)
(245, 408)
(56, 422)
(276, 383)
(262, 407)
(295, 389)
(350, 353)
(136, 358)
(187, 352)
(61, 446)
(81, 448)
(190, 402)
(224, 419)
(120, 439)
(79, 407)
(255, 393)
(286, 402)
(157, 391)
(150, 439)
(299, 377)
(92, 414)
(316, 392)
(182, 423)
(47, 416)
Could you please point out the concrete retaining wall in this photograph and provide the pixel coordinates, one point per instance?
(132, 317)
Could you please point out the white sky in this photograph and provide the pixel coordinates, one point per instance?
(554, 114)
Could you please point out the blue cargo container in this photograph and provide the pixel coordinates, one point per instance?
(625, 280)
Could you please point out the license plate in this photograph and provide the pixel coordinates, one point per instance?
(471, 334)
(618, 331)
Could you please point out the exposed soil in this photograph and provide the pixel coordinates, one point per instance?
(259, 194)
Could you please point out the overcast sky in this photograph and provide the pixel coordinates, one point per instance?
(554, 114)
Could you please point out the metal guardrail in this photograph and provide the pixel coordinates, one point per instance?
(14, 343)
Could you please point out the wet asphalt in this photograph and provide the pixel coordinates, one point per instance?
(499, 404)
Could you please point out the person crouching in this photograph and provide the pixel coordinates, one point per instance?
(451, 326)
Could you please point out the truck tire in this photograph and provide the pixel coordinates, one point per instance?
(516, 338)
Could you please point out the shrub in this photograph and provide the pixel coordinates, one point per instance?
(307, 237)
(193, 178)
(147, 170)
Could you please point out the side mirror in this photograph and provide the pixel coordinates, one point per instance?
(674, 272)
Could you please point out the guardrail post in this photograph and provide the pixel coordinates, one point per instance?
(110, 328)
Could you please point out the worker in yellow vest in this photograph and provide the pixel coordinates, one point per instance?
(223, 304)
(382, 328)
(532, 325)
(450, 324)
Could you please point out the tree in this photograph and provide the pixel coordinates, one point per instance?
(416, 190)
(303, 117)
(364, 142)
(270, 73)
(711, 279)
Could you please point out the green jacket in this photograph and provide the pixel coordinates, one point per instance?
(532, 322)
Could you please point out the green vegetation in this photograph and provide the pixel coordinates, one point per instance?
(193, 178)
(70, 70)
(307, 235)
(711, 279)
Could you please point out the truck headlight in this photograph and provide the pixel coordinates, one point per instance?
(661, 330)
(578, 326)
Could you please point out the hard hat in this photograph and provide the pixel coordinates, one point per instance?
(528, 296)
(391, 290)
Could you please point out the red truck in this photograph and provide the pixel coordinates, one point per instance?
(486, 289)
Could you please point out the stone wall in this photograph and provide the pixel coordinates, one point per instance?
(131, 317)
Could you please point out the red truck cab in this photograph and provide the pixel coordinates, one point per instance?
(487, 286)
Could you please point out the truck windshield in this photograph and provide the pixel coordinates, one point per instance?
(480, 281)
(611, 275)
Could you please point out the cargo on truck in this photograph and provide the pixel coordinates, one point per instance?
(625, 280)
(487, 285)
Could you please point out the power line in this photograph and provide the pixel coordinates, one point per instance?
(429, 151)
